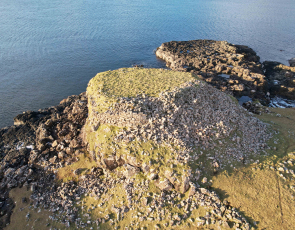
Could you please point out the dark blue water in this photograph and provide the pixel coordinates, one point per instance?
(50, 49)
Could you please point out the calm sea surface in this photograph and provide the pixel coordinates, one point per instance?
(51, 49)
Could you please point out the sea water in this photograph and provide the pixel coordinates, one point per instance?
(51, 49)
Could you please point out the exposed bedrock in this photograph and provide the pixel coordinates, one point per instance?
(47, 139)
(292, 62)
(228, 67)
(281, 79)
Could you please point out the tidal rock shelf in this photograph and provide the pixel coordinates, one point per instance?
(281, 79)
(235, 69)
(39, 143)
(213, 60)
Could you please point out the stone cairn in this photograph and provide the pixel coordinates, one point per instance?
(189, 119)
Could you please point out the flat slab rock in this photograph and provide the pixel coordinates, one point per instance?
(232, 68)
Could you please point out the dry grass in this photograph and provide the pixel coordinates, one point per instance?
(38, 219)
(66, 174)
(259, 192)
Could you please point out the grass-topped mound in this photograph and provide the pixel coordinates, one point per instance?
(159, 122)
(106, 87)
(129, 82)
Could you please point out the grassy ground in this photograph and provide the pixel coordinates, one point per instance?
(129, 82)
(37, 218)
(84, 163)
(260, 191)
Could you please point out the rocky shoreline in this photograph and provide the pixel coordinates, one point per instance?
(49, 135)
(235, 69)
(40, 144)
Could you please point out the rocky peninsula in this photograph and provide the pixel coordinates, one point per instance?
(157, 149)
(232, 68)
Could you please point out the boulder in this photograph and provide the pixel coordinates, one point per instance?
(292, 62)
(130, 171)
(281, 79)
(164, 184)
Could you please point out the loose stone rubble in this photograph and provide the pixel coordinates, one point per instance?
(188, 119)
(62, 202)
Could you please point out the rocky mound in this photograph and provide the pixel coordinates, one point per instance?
(232, 68)
(164, 130)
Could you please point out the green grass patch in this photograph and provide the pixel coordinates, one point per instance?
(129, 82)
(66, 174)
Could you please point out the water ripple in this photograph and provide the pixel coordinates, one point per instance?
(50, 49)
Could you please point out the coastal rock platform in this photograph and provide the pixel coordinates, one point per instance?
(281, 79)
(232, 68)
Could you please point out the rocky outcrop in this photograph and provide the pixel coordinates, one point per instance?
(228, 67)
(281, 79)
(46, 139)
(292, 62)
(143, 128)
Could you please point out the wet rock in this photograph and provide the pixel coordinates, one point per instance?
(281, 79)
(292, 62)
